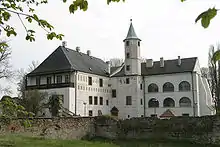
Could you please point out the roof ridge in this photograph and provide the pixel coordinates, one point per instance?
(62, 48)
(176, 59)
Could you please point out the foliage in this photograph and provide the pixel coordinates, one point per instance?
(55, 104)
(10, 110)
(6, 72)
(32, 101)
(206, 16)
(25, 11)
(114, 62)
(213, 76)
(21, 77)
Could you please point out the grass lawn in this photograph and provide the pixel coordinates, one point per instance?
(21, 141)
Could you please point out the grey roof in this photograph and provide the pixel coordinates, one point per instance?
(170, 67)
(64, 59)
(131, 33)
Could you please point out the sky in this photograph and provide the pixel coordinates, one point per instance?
(167, 29)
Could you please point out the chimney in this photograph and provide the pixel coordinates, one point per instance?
(109, 67)
(179, 61)
(88, 52)
(64, 43)
(78, 49)
(149, 62)
(161, 62)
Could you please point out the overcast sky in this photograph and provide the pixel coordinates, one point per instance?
(166, 27)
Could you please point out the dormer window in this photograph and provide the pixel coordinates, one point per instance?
(127, 55)
(127, 43)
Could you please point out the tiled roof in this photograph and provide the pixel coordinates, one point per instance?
(64, 59)
(170, 67)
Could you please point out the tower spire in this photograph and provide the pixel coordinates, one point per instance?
(131, 32)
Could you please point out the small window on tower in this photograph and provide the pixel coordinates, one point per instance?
(127, 43)
(128, 67)
(138, 43)
(128, 55)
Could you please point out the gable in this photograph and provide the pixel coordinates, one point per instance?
(55, 62)
(64, 60)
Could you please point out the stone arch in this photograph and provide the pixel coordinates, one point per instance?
(168, 102)
(114, 111)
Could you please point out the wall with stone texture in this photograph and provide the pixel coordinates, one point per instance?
(204, 129)
(62, 128)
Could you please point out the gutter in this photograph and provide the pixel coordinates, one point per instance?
(193, 94)
(75, 89)
(144, 96)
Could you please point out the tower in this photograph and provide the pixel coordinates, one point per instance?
(132, 52)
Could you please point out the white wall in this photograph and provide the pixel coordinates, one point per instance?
(123, 90)
(84, 91)
(175, 79)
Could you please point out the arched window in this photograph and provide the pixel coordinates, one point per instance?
(184, 86)
(114, 111)
(168, 87)
(185, 102)
(153, 103)
(168, 102)
(152, 88)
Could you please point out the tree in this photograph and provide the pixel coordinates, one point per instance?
(6, 72)
(32, 101)
(214, 77)
(116, 62)
(55, 104)
(21, 76)
(10, 110)
(25, 11)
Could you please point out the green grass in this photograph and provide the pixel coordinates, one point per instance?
(21, 141)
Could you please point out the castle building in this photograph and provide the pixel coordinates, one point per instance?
(90, 87)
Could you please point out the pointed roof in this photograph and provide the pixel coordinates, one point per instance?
(168, 113)
(131, 33)
(65, 60)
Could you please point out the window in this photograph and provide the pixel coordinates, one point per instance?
(185, 114)
(106, 102)
(168, 102)
(141, 101)
(90, 112)
(101, 101)
(128, 116)
(152, 88)
(168, 87)
(185, 102)
(113, 92)
(90, 100)
(153, 103)
(128, 100)
(48, 80)
(90, 81)
(59, 79)
(37, 80)
(184, 86)
(114, 111)
(138, 43)
(127, 81)
(100, 82)
(141, 86)
(127, 43)
(95, 100)
(128, 55)
(67, 78)
(128, 67)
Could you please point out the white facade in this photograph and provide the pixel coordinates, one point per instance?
(134, 89)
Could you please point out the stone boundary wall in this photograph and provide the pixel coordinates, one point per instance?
(204, 130)
(62, 128)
